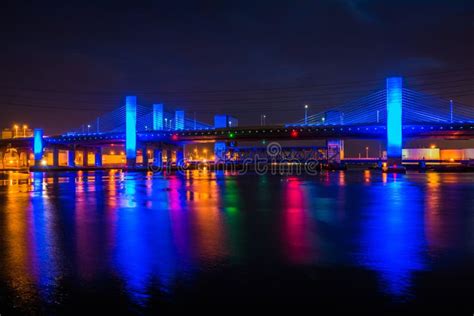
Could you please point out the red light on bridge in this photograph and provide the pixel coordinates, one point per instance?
(174, 137)
(294, 133)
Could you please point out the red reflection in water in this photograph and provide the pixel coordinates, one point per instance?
(178, 217)
(296, 224)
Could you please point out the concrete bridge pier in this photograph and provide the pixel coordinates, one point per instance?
(394, 87)
(131, 130)
(180, 156)
(157, 157)
(145, 160)
(98, 157)
(71, 157)
(168, 156)
(55, 157)
(85, 157)
(223, 121)
(38, 145)
(220, 149)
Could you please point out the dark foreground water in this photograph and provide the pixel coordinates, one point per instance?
(77, 242)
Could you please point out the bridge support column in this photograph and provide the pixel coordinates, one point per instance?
(38, 146)
(71, 157)
(394, 120)
(131, 130)
(55, 157)
(157, 157)
(220, 151)
(168, 156)
(145, 156)
(180, 157)
(85, 157)
(98, 157)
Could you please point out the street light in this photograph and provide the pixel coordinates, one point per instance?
(16, 130)
(166, 123)
(367, 152)
(88, 129)
(25, 127)
(305, 114)
(264, 117)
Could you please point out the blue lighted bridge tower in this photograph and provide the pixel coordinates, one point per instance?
(179, 120)
(131, 130)
(394, 120)
(38, 145)
(158, 117)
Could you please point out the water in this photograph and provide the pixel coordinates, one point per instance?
(74, 242)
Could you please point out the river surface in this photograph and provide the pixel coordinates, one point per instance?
(139, 243)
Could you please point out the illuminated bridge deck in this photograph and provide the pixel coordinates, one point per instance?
(447, 131)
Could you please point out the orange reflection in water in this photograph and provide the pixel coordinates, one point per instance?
(20, 246)
(435, 227)
(29, 241)
(207, 221)
(367, 176)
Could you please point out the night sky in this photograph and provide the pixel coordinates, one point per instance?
(65, 63)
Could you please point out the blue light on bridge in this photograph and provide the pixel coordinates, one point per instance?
(179, 120)
(158, 117)
(38, 144)
(220, 121)
(131, 127)
(394, 117)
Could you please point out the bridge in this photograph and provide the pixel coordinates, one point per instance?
(149, 134)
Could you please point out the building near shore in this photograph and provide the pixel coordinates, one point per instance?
(438, 154)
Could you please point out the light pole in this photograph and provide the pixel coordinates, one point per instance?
(16, 131)
(305, 114)
(25, 127)
(264, 117)
(166, 123)
(88, 129)
(367, 152)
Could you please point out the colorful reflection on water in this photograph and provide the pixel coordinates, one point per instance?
(153, 231)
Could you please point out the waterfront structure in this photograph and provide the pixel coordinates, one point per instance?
(147, 136)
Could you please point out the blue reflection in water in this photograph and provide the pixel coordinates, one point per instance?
(145, 254)
(393, 234)
(152, 232)
(44, 241)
